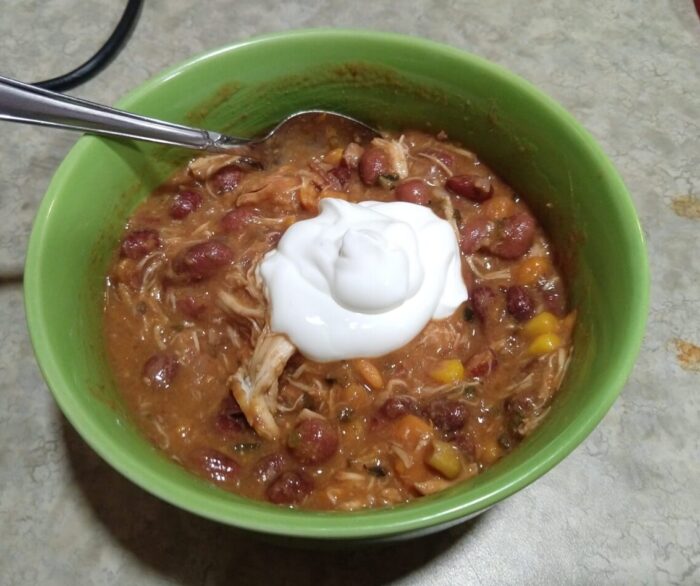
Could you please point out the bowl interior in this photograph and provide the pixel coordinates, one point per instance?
(390, 81)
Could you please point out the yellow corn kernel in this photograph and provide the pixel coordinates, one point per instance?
(542, 323)
(333, 157)
(369, 373)
(448, 371)
(499, 207)
(531, 269)
(544, 344)
(444, 458)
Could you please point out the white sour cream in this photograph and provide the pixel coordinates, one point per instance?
(362, 280)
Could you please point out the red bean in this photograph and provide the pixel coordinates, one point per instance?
(269, 467)
(515, 236)
(398, 406)
(160, 370)
(191, 306)
(481, 365)
(521, 406)
(465, 444)
(273, 238)
(413, 191)
(447, 415)
(203, 260)
(483, 298)
(373, 164)
(472, 187)
(184, 204)
(555, 301)
(139, 243)
(235, 220)
(227, 179)
(339, 175)
(290, 488)
(313, 441)
(219, 467)
(473, 233)
(230, 418)
(519, 303)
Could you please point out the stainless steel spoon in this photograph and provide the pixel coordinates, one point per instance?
(21, 102)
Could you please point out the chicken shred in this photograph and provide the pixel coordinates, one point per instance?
(255, 384)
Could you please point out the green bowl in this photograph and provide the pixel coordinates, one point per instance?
(393, 81)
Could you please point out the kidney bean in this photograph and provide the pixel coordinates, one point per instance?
(313, 441)
(555, 301)
(139, 243)
(269, 467)
(160, 370)
(465, 444)
(273, 238)
(373, 164)
(413, 191)
(203, 260)
(290, 488)
(483, 298)
(519, 303)
(447, 415)
(473, 233)
(226, 179)
(190, 306)
(230, 418)
(514, 237)
(236, 219)
(399, 406)
(219, 467)
(184, 204)
(481, 364)
(340, 175)
(472, 187)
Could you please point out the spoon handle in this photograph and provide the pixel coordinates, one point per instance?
(21, 102)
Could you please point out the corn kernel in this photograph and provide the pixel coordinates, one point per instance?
(369, 373)
(531, 269)
(445, 459)
(543, 323)
(544, 344)
(448, 371)
(333, 157)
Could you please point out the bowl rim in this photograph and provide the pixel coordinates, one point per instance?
(419, 515)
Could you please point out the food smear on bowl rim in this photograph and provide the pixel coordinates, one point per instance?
(217, 267)
(361, 280)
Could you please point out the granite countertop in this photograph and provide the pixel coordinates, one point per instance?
(623, 508)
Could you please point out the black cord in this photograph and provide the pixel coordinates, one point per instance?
(101, 59)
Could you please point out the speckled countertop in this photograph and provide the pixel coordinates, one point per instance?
(624, 508)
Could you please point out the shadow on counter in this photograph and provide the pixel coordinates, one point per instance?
(192, 550)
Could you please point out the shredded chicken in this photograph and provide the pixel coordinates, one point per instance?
(203, 168)
(255, 384)
(231, 303)
(396, 151)
(280, 190)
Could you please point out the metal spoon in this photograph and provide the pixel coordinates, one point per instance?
(21, 102)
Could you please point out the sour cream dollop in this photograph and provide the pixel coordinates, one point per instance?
(362, 280)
